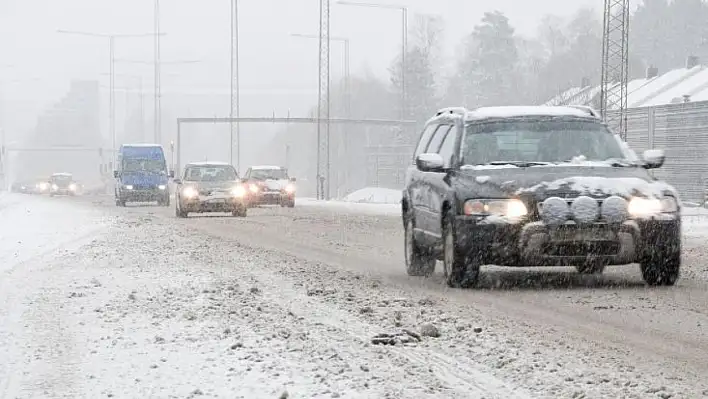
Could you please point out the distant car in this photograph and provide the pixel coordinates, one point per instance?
(41, 186)
(23, 187)
(210, 187)
(62, 184)
(270, 185)
(536, 186)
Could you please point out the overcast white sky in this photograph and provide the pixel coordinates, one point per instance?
(36, 63)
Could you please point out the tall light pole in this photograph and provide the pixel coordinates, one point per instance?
(158, 111)
(404, 42)
(111, 50)
(141, 94)
(347, 87)
(235, 88)
(157, 81)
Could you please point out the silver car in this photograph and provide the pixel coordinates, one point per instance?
(210, 187)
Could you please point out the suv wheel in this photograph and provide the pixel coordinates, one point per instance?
(178, 212)
(418, 263)
(661, 268)
(459, 272)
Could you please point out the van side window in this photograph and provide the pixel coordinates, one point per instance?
(438, 138)
(425, 139)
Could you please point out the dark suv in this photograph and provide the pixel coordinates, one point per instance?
(535, 186)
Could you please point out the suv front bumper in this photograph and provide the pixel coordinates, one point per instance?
(535, 244)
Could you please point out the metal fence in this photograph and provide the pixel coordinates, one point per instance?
(682, 131)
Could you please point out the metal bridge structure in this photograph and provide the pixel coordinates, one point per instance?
(323, 190)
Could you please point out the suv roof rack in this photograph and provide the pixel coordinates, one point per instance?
(590, 110)
(452, 111)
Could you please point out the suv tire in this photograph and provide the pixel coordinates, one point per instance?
(418, 262)
(459, 271)
(661, 268)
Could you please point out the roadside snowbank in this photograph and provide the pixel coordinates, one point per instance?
(375, 195)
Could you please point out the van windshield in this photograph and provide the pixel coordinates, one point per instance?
(143, 165)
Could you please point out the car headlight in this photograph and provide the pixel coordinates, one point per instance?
(161, 187)
(639, 207)
(128, 187)
(72, 187)
(253, 188)
(55, 187)
(238, 191)
(289, 189)
(512, 208)
(189, 192)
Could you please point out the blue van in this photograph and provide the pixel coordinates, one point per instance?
(142, 175)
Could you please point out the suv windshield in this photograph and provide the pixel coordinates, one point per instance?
(61, 178)
(211, 173)
(268, 174)
(539, 142)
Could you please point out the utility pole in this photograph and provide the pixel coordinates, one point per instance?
(347, 96)
(157, 137)
(323, 103)
(157, 83)
(615, 65)
(111, 99)
(235, 88)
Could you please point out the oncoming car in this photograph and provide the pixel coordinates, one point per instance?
(535, 186)
(210, 187)
(270, 185)
(62, 184)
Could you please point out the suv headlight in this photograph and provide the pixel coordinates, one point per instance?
(639, 206)
(189, 192)
(289, 189)
(512, 208)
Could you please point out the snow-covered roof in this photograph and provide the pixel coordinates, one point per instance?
(265, 167)
(663, 89)
(142, 145)
(208, 163)
(514, 111)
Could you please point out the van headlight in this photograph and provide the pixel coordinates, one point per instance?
(128, 186)
(512, 208)
(642, 207)
(161, 187)
(55, 187)
(72, 187)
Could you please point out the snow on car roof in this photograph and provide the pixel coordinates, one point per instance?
(514, 111)
(265, 167)
(142, 145)
(209, 163)
(62, 174)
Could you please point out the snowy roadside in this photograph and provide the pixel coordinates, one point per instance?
(172, 313)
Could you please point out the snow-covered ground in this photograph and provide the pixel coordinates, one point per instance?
(298, 300)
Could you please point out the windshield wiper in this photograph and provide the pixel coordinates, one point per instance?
(521, 164)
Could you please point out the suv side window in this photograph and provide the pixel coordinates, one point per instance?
(425, 139)
(438, 138)
(448, 146)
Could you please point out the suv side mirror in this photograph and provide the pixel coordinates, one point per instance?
(177, 181)
(172, 174)
(116, 174)
(653, 159)
(430, 163)
(292, 179)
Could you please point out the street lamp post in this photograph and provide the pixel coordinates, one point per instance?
(111, 107)
(158, 111)
(404, 42)
(235, 88)
(347, 88)
(141, 98)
